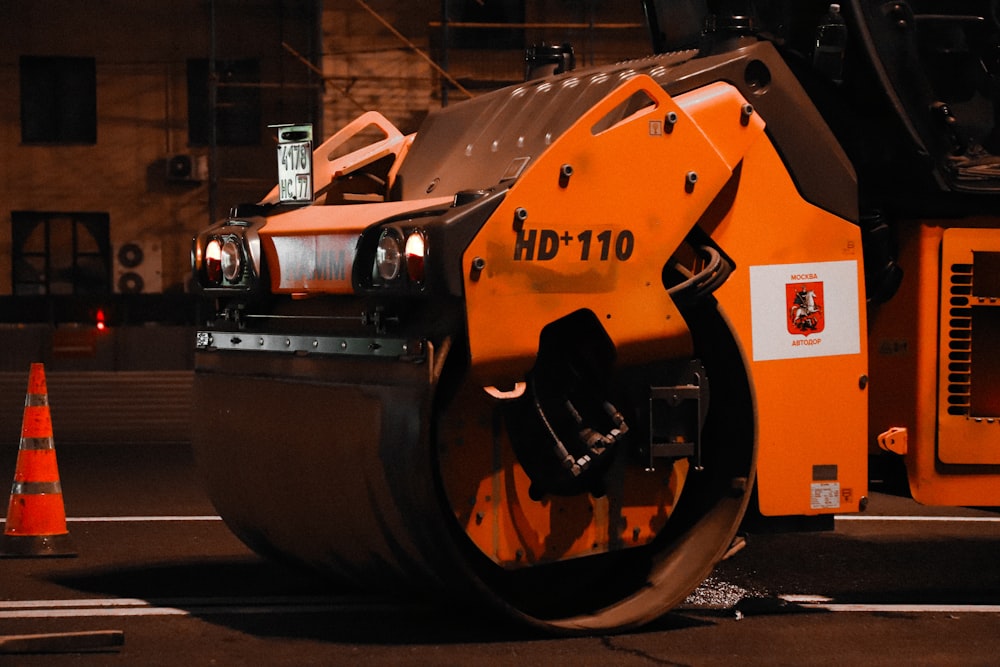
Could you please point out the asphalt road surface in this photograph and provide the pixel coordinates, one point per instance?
(158, 580)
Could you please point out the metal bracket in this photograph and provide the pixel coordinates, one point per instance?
(894, 440)
(676, 415)
(301, 344)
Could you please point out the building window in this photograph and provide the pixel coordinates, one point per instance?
(237, 105)
(58, 100)
(60, 253)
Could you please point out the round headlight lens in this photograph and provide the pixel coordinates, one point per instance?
(213, 261)
(415, 252)
(388, 256)
(232, 261)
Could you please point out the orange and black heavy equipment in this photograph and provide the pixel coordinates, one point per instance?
(553, 348)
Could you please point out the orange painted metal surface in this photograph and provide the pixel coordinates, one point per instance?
(488, 489)
(311, 249)
(598, 238)
(333, 159)
(968, 389)
(812, 407)
(947, 463)
(811, 410)
(551, 262)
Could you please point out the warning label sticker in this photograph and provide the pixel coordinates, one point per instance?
(804, 310)
(825, 496)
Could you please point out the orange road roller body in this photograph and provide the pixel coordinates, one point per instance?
(548, 351)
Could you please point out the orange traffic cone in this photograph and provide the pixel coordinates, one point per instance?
(36, 517)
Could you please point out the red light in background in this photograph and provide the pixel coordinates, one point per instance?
(101, 323)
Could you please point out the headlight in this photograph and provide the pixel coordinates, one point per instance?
(415, 249)
(388, 257)
(213, 262)
(226, 259)
(394, 258)
(232, 260)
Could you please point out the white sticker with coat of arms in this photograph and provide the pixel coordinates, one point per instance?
(804, 310)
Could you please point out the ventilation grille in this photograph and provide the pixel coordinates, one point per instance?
(968, 371)
(971, 375)
(959, 340)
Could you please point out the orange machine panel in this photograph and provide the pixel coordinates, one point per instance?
(489, 490)
(592, 221)
(311, 249)
(927, 382)
(797, 304)
(968, 356)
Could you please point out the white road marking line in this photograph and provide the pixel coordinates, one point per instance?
(86, 603)
(828, 604)
(946, 519)
(127, 519)
(184, 606)
(804, 599)
(136, 519)
(838, 517)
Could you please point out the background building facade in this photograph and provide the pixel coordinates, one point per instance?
(127, 127)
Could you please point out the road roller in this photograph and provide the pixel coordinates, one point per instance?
(550, 352)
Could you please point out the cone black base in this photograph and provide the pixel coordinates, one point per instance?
(41, 546)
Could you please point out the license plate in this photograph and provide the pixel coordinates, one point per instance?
(295, 178)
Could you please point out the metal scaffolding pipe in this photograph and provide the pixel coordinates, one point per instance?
(416, 49)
